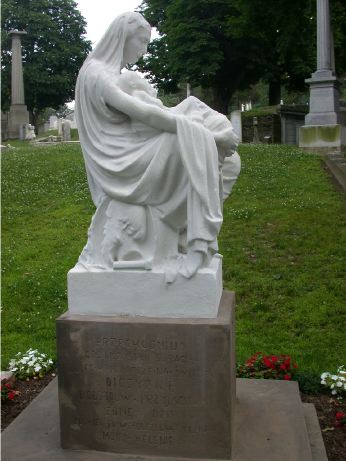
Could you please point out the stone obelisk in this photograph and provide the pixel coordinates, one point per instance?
(323, 128)
(18, 115)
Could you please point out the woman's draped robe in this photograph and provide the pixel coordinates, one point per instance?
(179, 175)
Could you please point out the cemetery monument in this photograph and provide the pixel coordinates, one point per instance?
(145, 298)
(146, 350)
(324, 127)
(18, 114)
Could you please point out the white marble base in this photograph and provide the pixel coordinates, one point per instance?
(145, 293)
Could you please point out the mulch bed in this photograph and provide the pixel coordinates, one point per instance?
(334, 437)
(326, 407)
(28, 390)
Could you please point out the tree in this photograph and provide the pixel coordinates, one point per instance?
(286, 31)
(53, 51)
(198, 46)
(338, 22)
(227, 45)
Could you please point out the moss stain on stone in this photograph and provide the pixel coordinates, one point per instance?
(329, 133)
(315, 135)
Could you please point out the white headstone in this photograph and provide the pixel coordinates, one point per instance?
(236, 123)
(29, 132)
(53, 122)
(60, 120)
(66, 130)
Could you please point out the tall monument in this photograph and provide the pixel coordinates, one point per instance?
(18, 114)
(323, 125)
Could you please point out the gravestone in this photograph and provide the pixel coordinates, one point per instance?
(148, 386)
(53, 122)
(18, 114)
(66, 130)
(146, 350)
(29, 132)
(236, 123)
(324, 127)
(59, 126)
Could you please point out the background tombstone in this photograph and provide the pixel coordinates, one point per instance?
(66, 130)
(53, 122)
(29, 132)
(236, 122)
(256, 138)
(60, 121)
(18, 114)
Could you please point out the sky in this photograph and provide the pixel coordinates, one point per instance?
(100, 13)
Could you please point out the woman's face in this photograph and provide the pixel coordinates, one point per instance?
(136, 46)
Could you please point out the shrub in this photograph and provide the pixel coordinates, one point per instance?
(340, 419)
(267, 367)
(30, 364)
(336, 383)
(8, 393)
(309, 383)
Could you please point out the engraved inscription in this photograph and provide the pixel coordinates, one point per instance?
(133, 389)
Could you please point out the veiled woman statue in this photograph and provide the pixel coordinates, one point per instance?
(156, 174)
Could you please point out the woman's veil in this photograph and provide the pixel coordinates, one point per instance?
(110, 48)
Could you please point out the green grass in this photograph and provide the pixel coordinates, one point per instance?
(283, 241)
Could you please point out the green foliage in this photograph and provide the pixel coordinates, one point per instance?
(309, 383)
(199, 48)
(335, 382)
(30, 364)
(283, 243)
(53, 50)
(338, 22)
(46, 212)
(227, 45)
(8, 393)
(256, 112)
(261, 366)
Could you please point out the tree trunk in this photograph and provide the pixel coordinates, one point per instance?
(274, 92)
(221, 98)
(34, 118)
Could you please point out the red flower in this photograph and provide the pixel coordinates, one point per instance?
(339, 415)
(287, 377)
(267, 362)
(8, 385)
(282, 367)
(11, 395)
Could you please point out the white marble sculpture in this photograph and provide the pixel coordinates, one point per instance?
(157, 175)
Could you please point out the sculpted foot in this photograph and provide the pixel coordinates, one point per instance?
(171, 269)
(191, 263)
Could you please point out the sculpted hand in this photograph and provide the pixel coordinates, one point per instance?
(227, 139)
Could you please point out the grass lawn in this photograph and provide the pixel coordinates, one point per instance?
(283, 241)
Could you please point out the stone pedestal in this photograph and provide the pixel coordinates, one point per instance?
(148, 386)
(145, 293)
(324, 99)
(17, 117)
(322, 137)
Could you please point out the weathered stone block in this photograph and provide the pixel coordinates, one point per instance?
(322, 136)
(148, 386)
